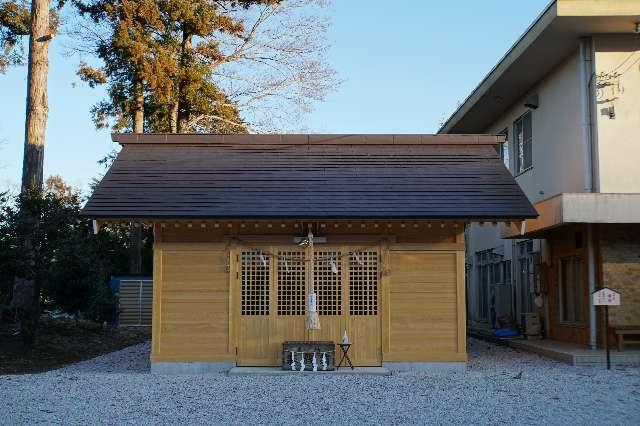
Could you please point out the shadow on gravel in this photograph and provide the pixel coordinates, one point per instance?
(62, 343)
(134, 359)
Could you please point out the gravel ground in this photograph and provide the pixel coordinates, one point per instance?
(501, 386)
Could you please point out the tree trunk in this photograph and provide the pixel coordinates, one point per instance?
(37, 105)
(182, 109)
(135, 249)
(173, 116)
(37, 110)
(138, 113)
(135, 232)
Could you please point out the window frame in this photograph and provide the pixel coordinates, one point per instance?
(505, 146)
(518, 170)
(524, 277)
(483, 268)
(578, 292)
(493, 270)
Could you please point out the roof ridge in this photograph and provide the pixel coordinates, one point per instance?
(306, 139)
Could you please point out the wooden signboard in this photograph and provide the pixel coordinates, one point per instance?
(606, 297)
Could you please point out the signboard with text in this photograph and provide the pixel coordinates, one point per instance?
(606, 297)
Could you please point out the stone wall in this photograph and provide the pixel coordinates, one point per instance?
(620, 252)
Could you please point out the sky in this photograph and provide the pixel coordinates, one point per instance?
(406, 65)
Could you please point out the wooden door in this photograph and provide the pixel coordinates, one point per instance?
(254, 297)
(363, 320)
(271, 292)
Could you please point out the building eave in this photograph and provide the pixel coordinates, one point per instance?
(573, 208)
(552, 37)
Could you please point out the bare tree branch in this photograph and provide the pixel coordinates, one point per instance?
(278, 69)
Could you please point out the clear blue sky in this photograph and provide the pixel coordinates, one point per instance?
(406, 65)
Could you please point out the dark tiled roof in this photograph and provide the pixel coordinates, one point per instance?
(300, 176)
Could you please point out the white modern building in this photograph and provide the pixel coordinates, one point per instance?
(567, 98)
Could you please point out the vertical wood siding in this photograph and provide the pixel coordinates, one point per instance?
(420, 316)
(192, 302)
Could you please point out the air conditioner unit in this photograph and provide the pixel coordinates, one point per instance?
(531, 324)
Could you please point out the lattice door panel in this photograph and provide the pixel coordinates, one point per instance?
(327, 283)
(292, 276)
(363, 283)
(255, 271)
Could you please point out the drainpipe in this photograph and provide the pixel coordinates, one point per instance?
(587, 77)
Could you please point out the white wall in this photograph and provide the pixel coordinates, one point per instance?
(618, 138)
(558, 162)
(557, 134)
(557, 155)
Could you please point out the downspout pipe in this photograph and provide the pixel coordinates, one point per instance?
(587, 84)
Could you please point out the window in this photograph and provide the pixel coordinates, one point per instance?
(327, 284)
(292, 279)
(493, 270)
(483, 287)
(525, 276)
(571, 291)
(523, 140)
(501, 271)
(255, 283)
(363, 283)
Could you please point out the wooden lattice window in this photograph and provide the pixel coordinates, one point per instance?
(291, 283)
(327, 283)
(363, 283)
(255, 283)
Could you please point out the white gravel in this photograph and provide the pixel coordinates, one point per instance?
(501, 386)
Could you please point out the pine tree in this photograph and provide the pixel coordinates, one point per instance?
(207, 64)
(195, 27)
(134, 58)
(151, 68)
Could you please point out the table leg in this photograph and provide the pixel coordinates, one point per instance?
(345, 355)
(619, 339)
(340, 363)
(349, 361)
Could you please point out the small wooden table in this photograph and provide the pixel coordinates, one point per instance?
(345, 355)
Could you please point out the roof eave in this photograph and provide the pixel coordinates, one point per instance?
(554, 34)
(475, 218)
(542, 21)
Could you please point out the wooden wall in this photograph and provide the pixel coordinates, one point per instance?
(421, 289)
(425, 310)
(190, 303)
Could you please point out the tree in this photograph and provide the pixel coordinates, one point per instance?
(37, 102)
(215, 62)
(156, 54)
(72, 265)
(192, 32)
(126, 36)
(277, 68)
(14, 22)
(8, 252)
(129, 43)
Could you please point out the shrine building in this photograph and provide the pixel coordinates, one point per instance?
(230, 216)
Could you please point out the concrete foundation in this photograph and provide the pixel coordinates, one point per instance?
(277, 371)
(426, 367)
(190, 367)
(578, 355)
(179, 368)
